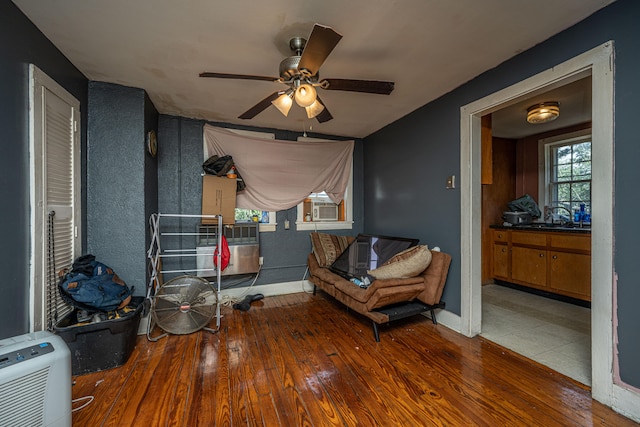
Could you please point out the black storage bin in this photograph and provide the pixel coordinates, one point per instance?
(102, 345)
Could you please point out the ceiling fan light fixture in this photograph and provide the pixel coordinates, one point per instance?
(543, 113)
(284, 102)
(305, 95)
(314, 109)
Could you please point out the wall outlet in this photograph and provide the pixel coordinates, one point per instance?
(286, 224)
(261, 260)
(451, 182)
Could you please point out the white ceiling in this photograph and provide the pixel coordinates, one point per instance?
(427, 47)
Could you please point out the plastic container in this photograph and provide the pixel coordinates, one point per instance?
(102, 345)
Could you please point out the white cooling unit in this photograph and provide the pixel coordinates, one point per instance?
(35, 381)
(324, 211)
(244, 247)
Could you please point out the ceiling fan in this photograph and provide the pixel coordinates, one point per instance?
(300, 73)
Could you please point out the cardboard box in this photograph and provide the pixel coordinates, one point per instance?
(218, 198)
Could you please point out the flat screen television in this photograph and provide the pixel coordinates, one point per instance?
(367, 252)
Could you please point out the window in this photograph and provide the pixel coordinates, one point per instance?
(568, 171)
(266, 219)
(244, 215)
(343, 211)
(55, 194)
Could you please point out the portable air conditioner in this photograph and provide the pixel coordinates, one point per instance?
(244, 249)
(35, 381)
(324, 211)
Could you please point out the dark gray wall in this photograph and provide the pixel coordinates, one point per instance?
(121, 186)
(21, 43)
(426, 144)
(150, 170)
(180, 191)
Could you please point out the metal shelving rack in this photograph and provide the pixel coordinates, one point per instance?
(156, 254)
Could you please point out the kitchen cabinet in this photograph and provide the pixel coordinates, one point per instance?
(529, 266)
(570, 265)
(500, 262)
(557, 262)
(570, 274)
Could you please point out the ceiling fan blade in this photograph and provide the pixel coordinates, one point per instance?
(260, 106)
(320, 44)
(324, 115)
(238, 76)
(366, 86)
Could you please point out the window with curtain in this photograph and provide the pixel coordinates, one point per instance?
(282, 174)
(317, 212)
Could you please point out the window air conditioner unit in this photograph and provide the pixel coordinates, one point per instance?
(35, 381)
(324, 211)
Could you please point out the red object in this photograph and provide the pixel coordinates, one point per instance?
(225, 255)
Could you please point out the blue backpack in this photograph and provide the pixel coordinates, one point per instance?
(93, 286)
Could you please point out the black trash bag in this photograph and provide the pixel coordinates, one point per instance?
(241, 184)
(525, 204)
(218, 166)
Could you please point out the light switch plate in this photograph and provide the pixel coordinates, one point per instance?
(451, 182)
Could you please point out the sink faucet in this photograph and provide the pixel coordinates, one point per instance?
(549, 214)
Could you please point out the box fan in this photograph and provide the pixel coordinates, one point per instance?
(183, 305)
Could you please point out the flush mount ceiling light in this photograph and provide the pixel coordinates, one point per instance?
(542, 113)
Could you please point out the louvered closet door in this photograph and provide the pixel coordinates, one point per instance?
(55, 172)
(60, 195)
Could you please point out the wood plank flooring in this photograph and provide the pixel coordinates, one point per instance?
(304, 360)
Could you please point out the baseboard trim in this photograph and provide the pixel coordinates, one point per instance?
(448, 319)
(269, 290)
(625, 402)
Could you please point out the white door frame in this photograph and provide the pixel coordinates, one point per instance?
(598, 63)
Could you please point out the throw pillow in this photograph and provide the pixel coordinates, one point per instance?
(408, 263)
(328, 247)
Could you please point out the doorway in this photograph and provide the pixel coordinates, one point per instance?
(539, 325)
(598, 64)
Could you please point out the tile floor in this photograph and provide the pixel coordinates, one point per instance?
(553, 333)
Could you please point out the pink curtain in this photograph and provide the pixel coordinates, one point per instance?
(281, 174)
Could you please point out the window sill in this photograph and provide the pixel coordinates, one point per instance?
(267, 227)
(313, 226)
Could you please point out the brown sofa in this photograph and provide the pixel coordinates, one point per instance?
(387, 299)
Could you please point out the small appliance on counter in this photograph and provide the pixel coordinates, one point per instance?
(517, 218)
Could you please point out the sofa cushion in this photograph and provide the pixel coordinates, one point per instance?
(327, 247)
(435, 278)
(408, 263)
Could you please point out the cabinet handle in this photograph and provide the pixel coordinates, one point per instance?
(541, 255)
(504, 250)
(499, 236)
(555, 257)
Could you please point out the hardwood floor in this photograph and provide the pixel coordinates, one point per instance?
(303, 360)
